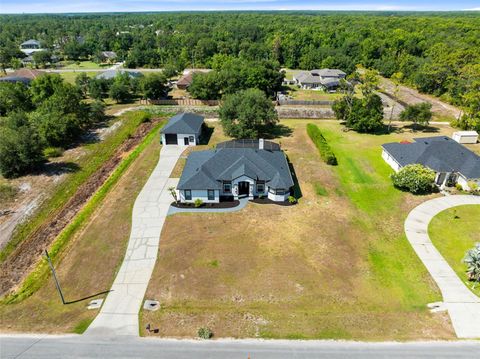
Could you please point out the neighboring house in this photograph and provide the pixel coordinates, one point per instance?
(235, 169)
(108, 56)
(187, 77)
(22, 75)
(326, 79)
(452, 162)
(31, 46)
(111, 74)
(183, 129)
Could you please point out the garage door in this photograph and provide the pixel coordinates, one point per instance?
(171, 138)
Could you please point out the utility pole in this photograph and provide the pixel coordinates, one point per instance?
(57, 284)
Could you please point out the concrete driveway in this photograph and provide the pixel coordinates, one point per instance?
(463, 306)
(119, 313)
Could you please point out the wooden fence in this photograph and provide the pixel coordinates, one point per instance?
(181, 102)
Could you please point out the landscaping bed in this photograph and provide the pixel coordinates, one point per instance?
(222, 204)
(266, 200)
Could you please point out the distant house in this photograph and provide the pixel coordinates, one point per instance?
(452, 162)
(187, 77)
(30, 46)
(466, 136)
(235, 169)
(183, 129)
(111, 74)
(22, 75)
(326, 79)
(108, 56)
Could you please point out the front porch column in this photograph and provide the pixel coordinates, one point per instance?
(250, 191)
(235, 191)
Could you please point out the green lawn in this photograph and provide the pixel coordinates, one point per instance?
(454, 232)
(71, 76)
(312, 95)
(84, 65)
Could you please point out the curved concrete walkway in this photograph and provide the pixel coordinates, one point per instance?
(119, 313)
(463, 306)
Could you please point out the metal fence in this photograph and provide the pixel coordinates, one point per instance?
(286, 102)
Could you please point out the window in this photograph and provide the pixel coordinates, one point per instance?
(280, 191)
(210, 194)
(191, 139)
(188, 194)
(260, 187)
(227, 187)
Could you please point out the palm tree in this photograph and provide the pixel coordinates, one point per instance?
(472, 259)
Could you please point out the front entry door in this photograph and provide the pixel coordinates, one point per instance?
(185, 141)
(243, 188)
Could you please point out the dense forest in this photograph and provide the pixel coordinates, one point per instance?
(437, 53)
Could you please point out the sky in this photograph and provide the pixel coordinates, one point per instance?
(45, 6)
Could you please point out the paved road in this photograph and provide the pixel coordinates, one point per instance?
(463, 306)
(84, 347)
(119, 313)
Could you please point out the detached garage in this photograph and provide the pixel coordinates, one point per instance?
(183, 129)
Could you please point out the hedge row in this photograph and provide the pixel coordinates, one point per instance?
(323, 148)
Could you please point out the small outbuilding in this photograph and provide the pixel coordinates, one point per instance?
(465, 136)
(183, 129)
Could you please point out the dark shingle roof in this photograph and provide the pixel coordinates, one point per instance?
(14, 79)
(207, 169)
(184, 123)
(110, 74)
(441, 154)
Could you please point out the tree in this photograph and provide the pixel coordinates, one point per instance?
(396, 78)
(44, 86)
(247, 114)
(205, 86)
(42, 58)
(14, 97)
(154, 87)
(414, 178)
(82, 82)
(98, 88)
(361, 115)
(170, 70)
(472, 260)
(420, 113)
(119, 92)
(20, 148)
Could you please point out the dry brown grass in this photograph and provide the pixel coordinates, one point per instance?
(89, 264)
(320, 269)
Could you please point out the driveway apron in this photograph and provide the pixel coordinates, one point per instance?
(119, 313)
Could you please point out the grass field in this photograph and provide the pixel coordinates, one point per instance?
(71, 76)
(337, 265)
(312, 95)
(89, 262)
(454, 232)
(84, 65)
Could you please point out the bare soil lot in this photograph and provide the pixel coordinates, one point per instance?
(337, 265)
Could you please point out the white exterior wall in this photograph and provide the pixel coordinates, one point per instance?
(465, 183)
(278, 197)
(466, 137)
(180, 140)
(199, 194)
(391, 161)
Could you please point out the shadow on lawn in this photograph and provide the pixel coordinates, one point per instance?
(297, 191)
(88, 297)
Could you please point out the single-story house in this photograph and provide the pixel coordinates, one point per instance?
(466, 137)
(236, 169)
(111, 74)
(108, 56)
(186, 79)
(30, 46)
(183, 129)
(22, 75)
(326, 79)
(452, 162)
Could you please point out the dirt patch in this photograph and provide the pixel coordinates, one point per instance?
(26, 255)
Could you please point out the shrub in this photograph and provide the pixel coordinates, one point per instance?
(320, 142)
(50, 152)
(205, 333)
(414, 178)
(7, 192)
(319, 189)
(198, 203)
(292, 199)
(472, 260)
(459, 187)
